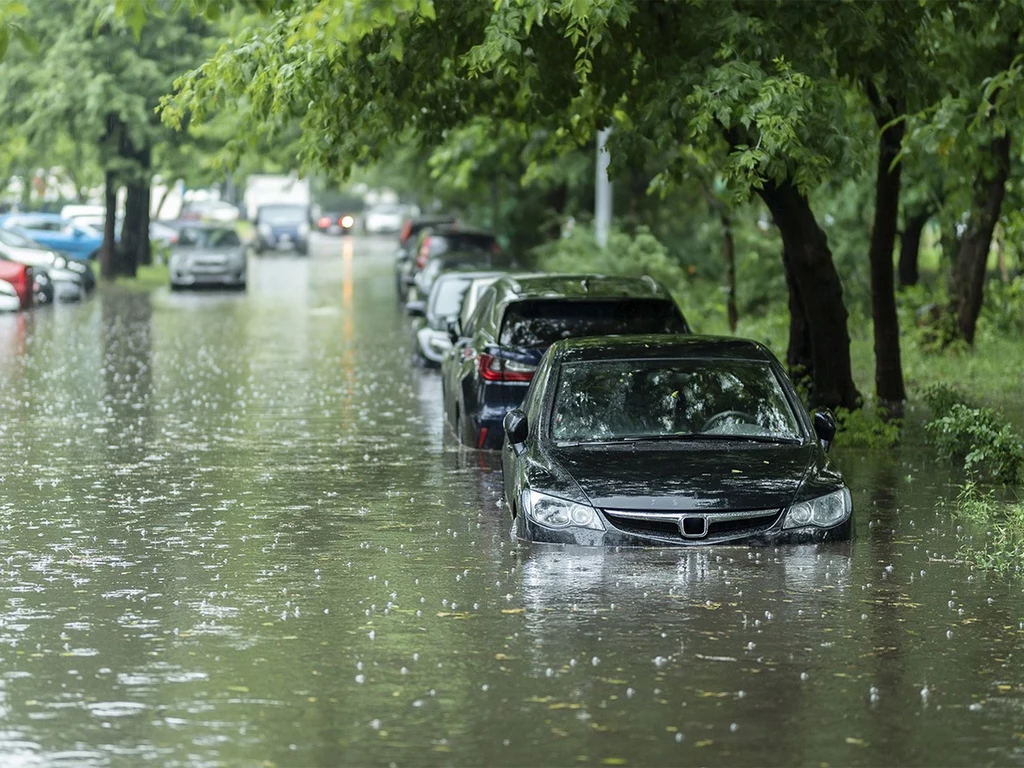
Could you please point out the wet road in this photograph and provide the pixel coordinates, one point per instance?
(231, 533)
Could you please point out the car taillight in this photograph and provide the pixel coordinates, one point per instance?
(492, 369)
(324, 222)
(406, 231)
(421, 257)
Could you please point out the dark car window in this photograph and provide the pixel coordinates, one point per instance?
(193, 237)
(483, 261)
(278, 215)
(622, 399)
(542, 322)
(461, 241)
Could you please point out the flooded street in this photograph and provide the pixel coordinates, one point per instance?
(232, 532)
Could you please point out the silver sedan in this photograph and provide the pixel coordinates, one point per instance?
(208, 255)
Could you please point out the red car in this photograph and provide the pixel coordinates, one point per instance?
(20, 276)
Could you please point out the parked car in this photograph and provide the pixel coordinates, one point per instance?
(383, 219)
(489, 261)
(9, 299)
(51, 278)
(335, 223)
(670, 440)
(19, 276)
(496, 350)
(282, 227)
(441, 307)
(77, 211)
(75, 241)
(407, 240)
(208, 255)
(436, 241)
(19, 248)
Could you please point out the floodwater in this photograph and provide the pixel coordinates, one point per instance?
(231, 533)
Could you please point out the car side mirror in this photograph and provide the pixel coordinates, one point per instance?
(825, 426)
(454, 332)
(516, 428)
(416, 308)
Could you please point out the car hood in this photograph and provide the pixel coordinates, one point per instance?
(692, 476)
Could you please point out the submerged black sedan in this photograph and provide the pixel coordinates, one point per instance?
(670, 440)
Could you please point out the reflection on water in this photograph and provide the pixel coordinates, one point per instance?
(231, 531)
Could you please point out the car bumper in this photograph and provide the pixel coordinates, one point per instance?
(67, 290)
(283, 244)
(9, 303)
(528, 530)
(187, 278)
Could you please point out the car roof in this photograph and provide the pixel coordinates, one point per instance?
(578, 286)
(659, 346)
(469, 274)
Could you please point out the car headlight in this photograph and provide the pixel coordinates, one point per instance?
(59, 262)
(303, 229)
(75, 266)
(553, 512)
(823, 512)
(347, 222)
(265, 230)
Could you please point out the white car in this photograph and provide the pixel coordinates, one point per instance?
(77, 211)
(9, 301)
(383, 219)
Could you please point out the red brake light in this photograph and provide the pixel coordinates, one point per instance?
(491, 369)
(324, 222)
(421, 257)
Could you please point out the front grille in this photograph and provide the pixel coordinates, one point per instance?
(721, 526)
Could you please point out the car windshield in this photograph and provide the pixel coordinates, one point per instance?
(208, 238)
(448, 295)
(607, 401)
(542, 322)
(282, 214)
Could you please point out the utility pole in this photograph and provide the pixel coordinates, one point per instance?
(603, 190)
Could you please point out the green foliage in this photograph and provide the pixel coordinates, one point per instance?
(866, 428)
(1002, 538)
(1003, 312)
(982, 440)
(941, 398)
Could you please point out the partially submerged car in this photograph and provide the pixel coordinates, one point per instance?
(496, 350)
(210, 255)
(442, 307)
(670, 440)
(76, 276)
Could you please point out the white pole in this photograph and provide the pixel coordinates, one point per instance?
(603, 190)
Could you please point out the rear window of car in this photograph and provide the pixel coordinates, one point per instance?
(448, 296)
(462, 241)
(541, 322)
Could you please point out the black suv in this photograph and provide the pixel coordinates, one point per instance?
(496, 349)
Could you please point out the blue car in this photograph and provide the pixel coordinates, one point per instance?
(496, 349)
(74, 241)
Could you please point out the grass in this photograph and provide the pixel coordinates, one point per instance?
(147, 278)
(999, 525)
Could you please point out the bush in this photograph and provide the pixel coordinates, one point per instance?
(980, 438)
(941, 398)
(867, 429)
(1003, 310)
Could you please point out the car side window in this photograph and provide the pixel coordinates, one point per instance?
(483, 307)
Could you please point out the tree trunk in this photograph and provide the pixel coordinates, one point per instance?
(798, 353)
(967, 282)
(888, 367)
(814, 275)
(131, 233)
(910, 247)
(108, 251)
(729, 254)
